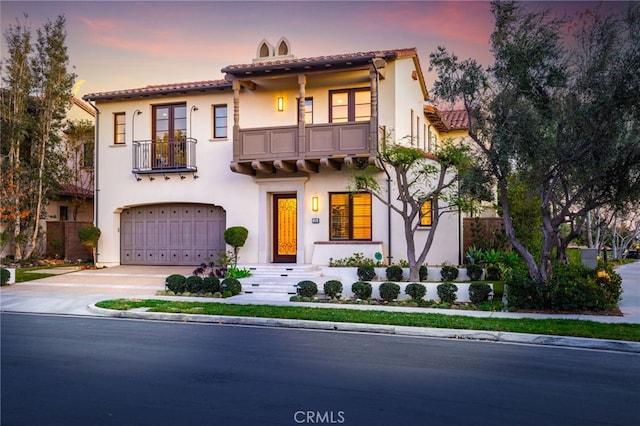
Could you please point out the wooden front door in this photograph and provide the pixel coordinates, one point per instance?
(285, 217)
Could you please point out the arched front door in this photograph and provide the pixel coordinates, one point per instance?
(285, 218)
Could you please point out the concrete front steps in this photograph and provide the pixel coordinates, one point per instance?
(281, 278)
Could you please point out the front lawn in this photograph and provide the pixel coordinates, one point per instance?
(561, 327)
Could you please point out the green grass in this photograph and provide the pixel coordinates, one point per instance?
(27, 274)
(562, 327)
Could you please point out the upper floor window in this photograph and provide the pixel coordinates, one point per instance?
(426, 214)
(87, 154)
(119, 128)
(308, 111)
(220, 117)
(350, 216)
(350, 105)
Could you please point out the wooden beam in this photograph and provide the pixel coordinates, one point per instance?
(242, 168)
(307, 166)
(248, 84)
(263, 166)
(285, 166)
(330, 164)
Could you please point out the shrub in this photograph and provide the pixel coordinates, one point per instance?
(332, 288)
(449, 273)
(236, 236)
(89, 236)
(389, 291)
(231, 285)
(211, 284)
(357, 259)
(474, 272)
(361, 290)
(194, 284)
(4, 276)
(394, 273)
(175, 283)
(479, 292)
(447, 292)
(307, 288)
(416, 291)
(493, 273)
(423, 272)
(366, 273)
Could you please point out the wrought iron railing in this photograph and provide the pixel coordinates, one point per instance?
(162, 156)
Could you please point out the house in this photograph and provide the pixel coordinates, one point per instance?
(270, 147)
(72, 205)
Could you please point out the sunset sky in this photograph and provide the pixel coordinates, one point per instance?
(128, 44)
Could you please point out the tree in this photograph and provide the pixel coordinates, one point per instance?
(420, 178)
(79, 147)
(564, 122)
(236, 236)
(36, 96)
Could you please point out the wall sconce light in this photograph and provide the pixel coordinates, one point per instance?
(314, 204)
(280, 103)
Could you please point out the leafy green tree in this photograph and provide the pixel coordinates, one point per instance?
(236, 236)
(36, 94)
(560, 119)
(419, 177)
(79, 149)
(89, 236)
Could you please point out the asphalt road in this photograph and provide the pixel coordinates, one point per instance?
(60, 370)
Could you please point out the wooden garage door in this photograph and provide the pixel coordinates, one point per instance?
(171, 234)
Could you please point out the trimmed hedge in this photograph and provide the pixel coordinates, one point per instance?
(389, 291)
(447, 292)
(416, 291)
(366, 273)
(333, 288)
(423, 272)
(361, 290)
(394, 273)
(175, 283)
(4, 276)
(449, 273)
(307, 288)
(232, 285)
(479, 292)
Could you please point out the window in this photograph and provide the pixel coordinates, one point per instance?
(220, 121)
(87, 154)
(308, 111)
(350, 216)
(426, 214)
(64, 213)
(350, 105)
(119, 128)
(170, 131)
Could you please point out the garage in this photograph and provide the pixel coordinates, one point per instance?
(171, 234)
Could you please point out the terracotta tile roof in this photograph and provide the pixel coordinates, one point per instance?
(289, 64)
(160, 89)
(456, 119)
(71, 190)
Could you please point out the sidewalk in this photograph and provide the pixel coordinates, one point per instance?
(76, 293)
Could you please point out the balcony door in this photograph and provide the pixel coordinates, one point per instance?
(285, 218)
(169, 136)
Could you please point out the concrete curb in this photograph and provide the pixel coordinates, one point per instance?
(446, 333)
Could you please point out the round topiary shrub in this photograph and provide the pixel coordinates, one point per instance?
(231, 285)
(474, 272)
(479, 292)
(449, 273)
(447, 292)
(389, 291)
(175, 283)
(394, 273)
(332, 288)
(4, 276)
(493, 273)
(423, 272)
(361, 290)
(307, 288)
(416, 291)
(194, 284)
(366, 273)
(211, 284)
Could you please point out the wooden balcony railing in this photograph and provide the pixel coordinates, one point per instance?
(271, 149)
(152, 156)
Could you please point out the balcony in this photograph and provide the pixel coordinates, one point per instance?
(162, 156)
(281, 150)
